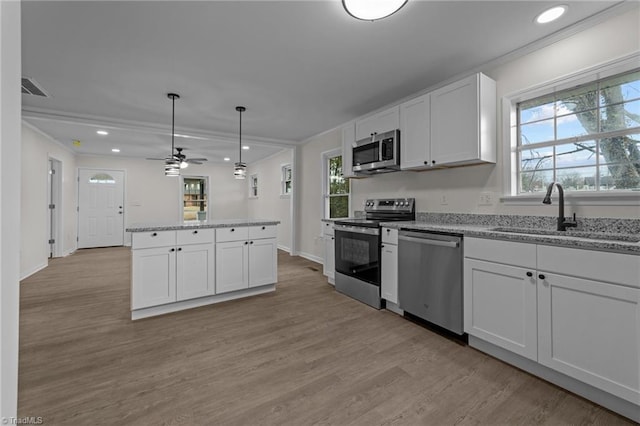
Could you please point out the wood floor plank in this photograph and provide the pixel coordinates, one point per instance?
(303, 354)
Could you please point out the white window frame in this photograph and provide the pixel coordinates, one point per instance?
(207, 191)
(510, 141)
(325, 156)
(283, 181)
(253, 186)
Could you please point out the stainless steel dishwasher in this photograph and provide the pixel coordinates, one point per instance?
(430, 277)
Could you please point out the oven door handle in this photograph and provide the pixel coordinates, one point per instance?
(428, 241)
(357, 229)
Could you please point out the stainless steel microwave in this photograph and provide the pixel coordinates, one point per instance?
(377, 154)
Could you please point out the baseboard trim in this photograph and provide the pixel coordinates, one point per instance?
(33, 270)
(311, 257)
(283, 248)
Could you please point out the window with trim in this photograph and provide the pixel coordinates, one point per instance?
(253, 186)
(586, 138)
(287, 180)
(337, 188)
(194, 197)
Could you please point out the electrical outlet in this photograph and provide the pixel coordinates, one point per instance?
(486, 199)
(444, 200)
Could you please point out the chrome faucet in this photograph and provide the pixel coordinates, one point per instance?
(563, 224)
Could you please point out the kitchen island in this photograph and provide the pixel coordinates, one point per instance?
(178, 266)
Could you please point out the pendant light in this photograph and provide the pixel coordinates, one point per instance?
(372, 10)
(240, 170)
(172, 163)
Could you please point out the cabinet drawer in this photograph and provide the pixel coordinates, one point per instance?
(390, 236)
(596, 265)
(327, 229)
(236, 233)
(140, 240)
(195, 236)
(262, 231)
(506, 252)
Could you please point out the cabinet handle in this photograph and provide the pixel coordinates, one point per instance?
(172, 250)
(250, 242)
(263, 228)
(179, 248)
(195, 232)
(433, 162)
(333, 238)
(426, 162)
(388, 230)
(246, 242)
(155, 234)
(382, 245)
(233, 229)
(541, 276)
(529, 274)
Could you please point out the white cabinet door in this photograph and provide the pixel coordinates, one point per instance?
(380, 122)
(590, 330)
(195, 271)
(263, 262)
(500, 305)
(389, 268)
(153, 276)
(415, 143)
(348, 139)
(232, 266)
(463, 122)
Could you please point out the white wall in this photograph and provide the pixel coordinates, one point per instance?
(614, 38)
(10, 105)
(34, 231)
(310, 193)
(151, 197)
(270, 204)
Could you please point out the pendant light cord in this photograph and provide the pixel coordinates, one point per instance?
(173, 97)
(240, 109)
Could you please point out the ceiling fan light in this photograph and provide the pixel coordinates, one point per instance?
(184, 164)
(240, 171)
(371, 10)
(172, 167)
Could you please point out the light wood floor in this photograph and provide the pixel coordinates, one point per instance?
(301, 355)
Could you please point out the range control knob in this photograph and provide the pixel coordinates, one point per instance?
(397, 203)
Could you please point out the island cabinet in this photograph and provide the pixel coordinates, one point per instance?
(573, 311)
(170, 266)
(246, 257)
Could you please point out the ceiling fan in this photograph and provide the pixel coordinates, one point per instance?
(179, 156)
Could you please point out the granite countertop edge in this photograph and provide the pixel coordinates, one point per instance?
(484, 231)
(200, 225)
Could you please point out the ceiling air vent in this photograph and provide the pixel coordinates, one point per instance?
(30, 87)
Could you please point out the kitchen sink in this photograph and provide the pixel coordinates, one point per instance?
(577, 234)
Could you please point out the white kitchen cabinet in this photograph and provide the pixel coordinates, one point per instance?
(246, 258)
(589, 317)
(415, 139)
(348, 140)
(170, 266)
(379, 122)
(389, 265)
(463, 122)
(574, 311)
(328, 236)
(500, 294)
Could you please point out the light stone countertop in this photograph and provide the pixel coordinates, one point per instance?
(199, 224)
(573, 239)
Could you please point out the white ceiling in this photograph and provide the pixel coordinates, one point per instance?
(300, 67)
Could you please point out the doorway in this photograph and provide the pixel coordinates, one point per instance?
(54, 203)
(194, 197)
(100, 208)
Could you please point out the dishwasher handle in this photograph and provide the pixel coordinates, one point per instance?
(429, 241)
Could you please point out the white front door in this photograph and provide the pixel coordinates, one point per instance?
(101, 208)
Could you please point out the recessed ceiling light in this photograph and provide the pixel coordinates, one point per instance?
(227, 159)
(369, 10)
(552, 14)
(102, 132)
(245, 147)
(115, 150)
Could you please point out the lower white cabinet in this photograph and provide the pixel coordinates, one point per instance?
(171, 273)
(574, 311)
(329, 265)
(389, 265)
(246, 262)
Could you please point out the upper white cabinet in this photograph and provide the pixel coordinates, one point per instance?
(463, 122)
(379, 122)
(415, 140)
(348, 140)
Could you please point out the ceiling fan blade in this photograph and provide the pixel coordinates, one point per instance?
(161, 159)
(193, 162)
(188, 160)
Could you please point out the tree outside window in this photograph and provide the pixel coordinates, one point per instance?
(338, 189)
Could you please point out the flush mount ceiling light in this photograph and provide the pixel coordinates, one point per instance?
(551, 14)
(172, 164)
(240, 170)
(371, 10)
(102, 132)
(115, 149)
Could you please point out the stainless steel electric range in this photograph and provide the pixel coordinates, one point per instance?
(358, 245)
